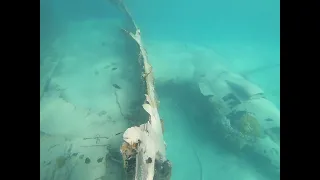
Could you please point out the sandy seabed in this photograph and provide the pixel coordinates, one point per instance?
(84, 107)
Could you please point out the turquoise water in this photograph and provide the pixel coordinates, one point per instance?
(83, 54)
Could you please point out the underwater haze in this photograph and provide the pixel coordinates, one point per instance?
(214, 63)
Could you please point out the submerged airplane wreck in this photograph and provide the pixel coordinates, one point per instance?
(241, 115)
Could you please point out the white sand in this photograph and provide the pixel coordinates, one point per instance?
(82, 103)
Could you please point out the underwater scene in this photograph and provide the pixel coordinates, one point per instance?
(159, 90)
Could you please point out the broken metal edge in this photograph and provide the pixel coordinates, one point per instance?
(143, 149)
